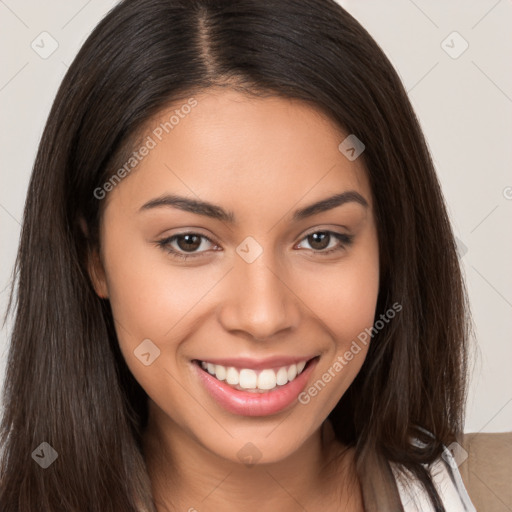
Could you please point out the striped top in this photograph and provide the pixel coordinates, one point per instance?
(448, 481)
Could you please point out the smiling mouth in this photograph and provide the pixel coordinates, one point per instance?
(255, 381)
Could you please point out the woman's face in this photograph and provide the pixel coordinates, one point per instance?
(269, 283)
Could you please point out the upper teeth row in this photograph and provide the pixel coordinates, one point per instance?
(249, 379)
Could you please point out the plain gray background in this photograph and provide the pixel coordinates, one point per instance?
(453, 58)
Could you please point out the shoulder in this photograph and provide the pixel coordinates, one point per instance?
(447, 480)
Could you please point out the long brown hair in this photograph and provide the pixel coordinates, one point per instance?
(66, 381)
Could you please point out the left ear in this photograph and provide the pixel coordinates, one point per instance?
(95, 267)
(97, 274)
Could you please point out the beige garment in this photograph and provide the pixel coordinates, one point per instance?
(487, 470)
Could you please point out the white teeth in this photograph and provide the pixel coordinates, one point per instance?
(248, 379)
(252, 380)
(220, 372)
(267, 379)
(232, 376)
(282, 376)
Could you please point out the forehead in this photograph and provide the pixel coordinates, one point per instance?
(232, 148)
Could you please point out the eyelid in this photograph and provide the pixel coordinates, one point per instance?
(320, 228)
(344, 240)
(165, 244)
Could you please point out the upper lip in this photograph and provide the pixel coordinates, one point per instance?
(258, 364)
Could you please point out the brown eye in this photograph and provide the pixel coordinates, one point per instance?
(188, 242)
(321, 241)
(184, 245)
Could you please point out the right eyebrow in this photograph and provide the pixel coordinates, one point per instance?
(217, 212)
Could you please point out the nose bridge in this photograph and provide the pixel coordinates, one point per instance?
(259, 303)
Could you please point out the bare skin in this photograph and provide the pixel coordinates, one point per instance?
(261, 159)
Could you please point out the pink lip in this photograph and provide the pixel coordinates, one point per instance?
(259, 364)
(245, 403)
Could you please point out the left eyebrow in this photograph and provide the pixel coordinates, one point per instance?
(216, 212)
(329, 203)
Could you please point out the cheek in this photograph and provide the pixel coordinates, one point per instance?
(149, 294)
(154, 299)
(344, 296)
(353, 307)
(150, 300)
(344, 302)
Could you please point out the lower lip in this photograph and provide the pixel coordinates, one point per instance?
(245, 403)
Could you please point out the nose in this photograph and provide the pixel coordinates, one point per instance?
(259, 302)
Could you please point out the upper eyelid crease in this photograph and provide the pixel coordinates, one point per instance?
(343, 239)
(216, 212)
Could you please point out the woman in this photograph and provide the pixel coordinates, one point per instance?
(235, 262)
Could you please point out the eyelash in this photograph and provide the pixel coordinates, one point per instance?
(164, 244)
